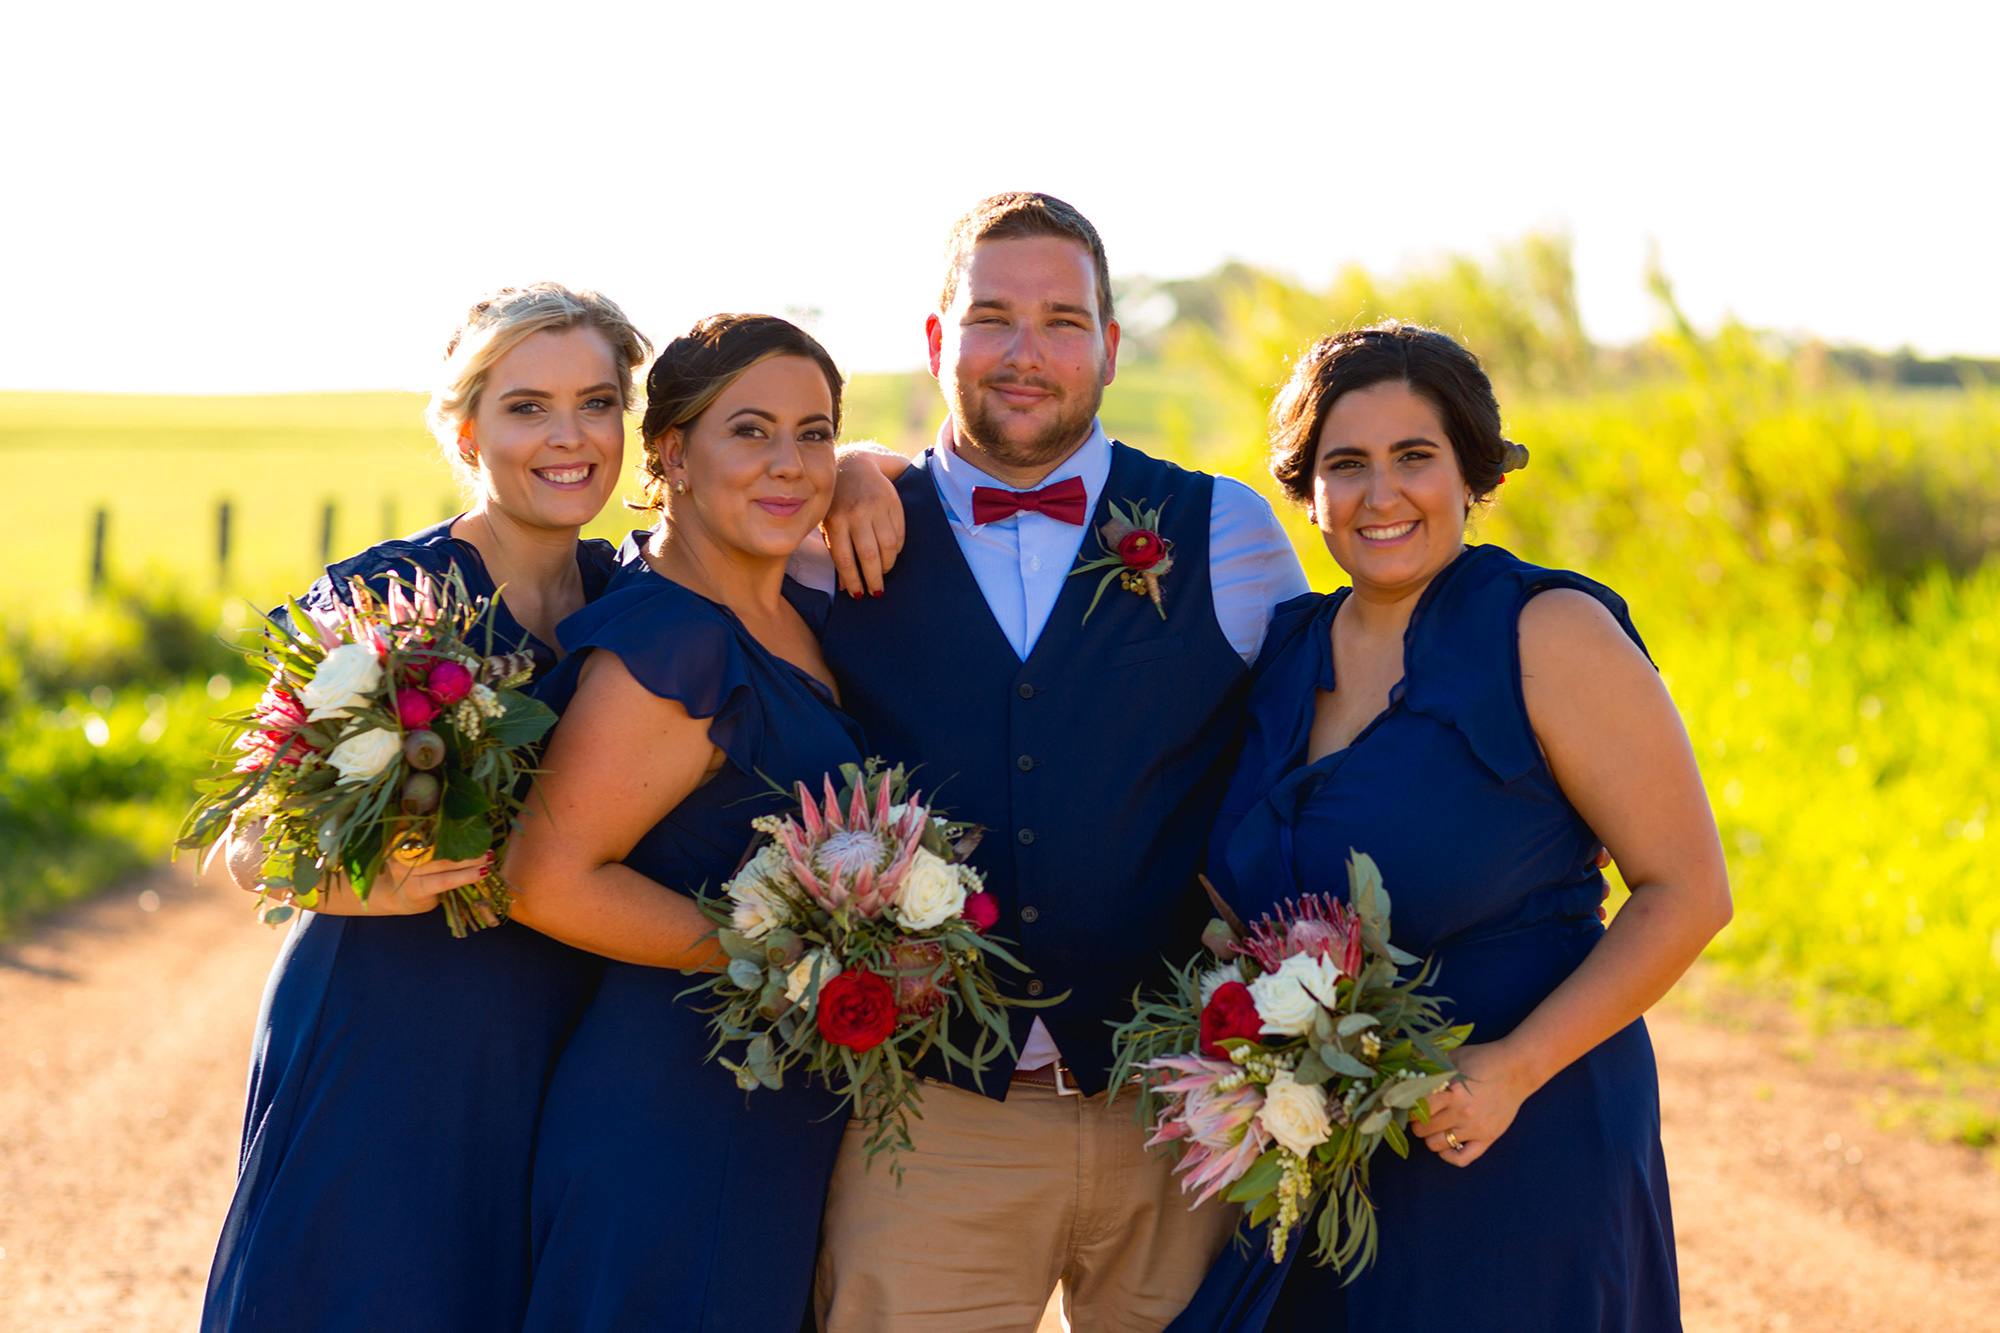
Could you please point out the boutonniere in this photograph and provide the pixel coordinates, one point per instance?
(1135, 554)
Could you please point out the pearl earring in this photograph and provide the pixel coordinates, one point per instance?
(680, 487)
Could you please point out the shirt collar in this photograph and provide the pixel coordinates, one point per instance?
(956, 476)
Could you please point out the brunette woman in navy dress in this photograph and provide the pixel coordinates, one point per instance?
(397, 1073)
(664, 1196)
(1479, 726)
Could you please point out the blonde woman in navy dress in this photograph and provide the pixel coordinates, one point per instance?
(1479, 726)
(397, 1073)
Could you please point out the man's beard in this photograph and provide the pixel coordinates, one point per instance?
(982, 427)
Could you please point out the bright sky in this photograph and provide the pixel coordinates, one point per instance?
(213, 197)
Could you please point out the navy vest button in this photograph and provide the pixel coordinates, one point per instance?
(1034, 988)
(1025, 836)
(1029, 914)
(1025, 762)
(1026, 690)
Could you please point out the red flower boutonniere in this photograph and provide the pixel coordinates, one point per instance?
(1135, 554)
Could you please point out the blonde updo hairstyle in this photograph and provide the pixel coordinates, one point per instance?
(498, 324)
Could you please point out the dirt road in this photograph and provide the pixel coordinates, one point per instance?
(124, 1034)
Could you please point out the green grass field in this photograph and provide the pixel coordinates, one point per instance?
(1806, 558)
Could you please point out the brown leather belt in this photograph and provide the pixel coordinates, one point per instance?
(1055, 1077)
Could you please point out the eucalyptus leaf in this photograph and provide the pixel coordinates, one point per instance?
(1376, 1122)
(746, 974)
(1340, 1062)
(1354, 1023)
(1311, 1069)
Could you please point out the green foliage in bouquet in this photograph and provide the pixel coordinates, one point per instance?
(382, 734)
(1279, 1062)
(857, 946)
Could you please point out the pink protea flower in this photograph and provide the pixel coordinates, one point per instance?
(280, 710)
(1315, 924)
(855, 859)
(1222, 1131)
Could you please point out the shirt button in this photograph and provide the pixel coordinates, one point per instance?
(1029, 914)
(1025, 836)
(1034, 988)
(1026, 691)
(1034, 562)
(1025, 762)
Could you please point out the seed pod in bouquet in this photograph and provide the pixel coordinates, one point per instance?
(773, 1002)
(1219, 939)
(420, 793)
(782, 948)
(424, 749)
(913, 962)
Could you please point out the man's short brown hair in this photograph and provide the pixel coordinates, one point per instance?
(1012, 216)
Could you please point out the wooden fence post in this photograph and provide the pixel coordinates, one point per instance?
(99, 527)
(326, 535)
(222, 544)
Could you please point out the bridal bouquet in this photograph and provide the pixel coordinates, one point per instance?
(856, 935)
(1285, 1057)
(383, 733)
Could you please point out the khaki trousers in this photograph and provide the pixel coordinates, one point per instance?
(1000, 1202)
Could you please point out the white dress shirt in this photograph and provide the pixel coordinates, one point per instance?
(1022, 562)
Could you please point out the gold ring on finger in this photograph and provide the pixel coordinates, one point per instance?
(1452, 1139)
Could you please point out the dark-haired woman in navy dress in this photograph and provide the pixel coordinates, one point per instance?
(397, 1073)
(664, 1196)
(1479, 726)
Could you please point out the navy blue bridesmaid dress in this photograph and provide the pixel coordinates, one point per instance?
(1564, 1225)
(396, 1081)
(665, 1197)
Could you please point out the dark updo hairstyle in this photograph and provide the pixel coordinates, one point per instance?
(1432, 365)
(692, 371)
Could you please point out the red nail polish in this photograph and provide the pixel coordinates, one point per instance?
(878, 592)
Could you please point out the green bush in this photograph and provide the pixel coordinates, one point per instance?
(104, 725)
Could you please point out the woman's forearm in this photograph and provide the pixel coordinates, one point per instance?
(614, 911)
(1655, 937)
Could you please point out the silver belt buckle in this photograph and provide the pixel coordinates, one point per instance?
(1065, 1088)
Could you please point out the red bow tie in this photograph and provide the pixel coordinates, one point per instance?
(1065, 502)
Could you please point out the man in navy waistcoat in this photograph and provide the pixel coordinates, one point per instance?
(1094, 748)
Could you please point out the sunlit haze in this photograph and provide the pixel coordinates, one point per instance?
(249, 198)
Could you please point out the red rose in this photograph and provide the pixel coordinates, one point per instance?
(449, 683)
(983, 911)
(1140, 549)
(415, 710)
(1230, 1012)
(856, 1010)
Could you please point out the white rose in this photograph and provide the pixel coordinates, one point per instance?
(1319, 975)
(1283, 1002)
(801, 977)
(347, 676)
(362, 756)
(1216, 978)
(759, 906)
(1295, 1113)
(932, 893)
